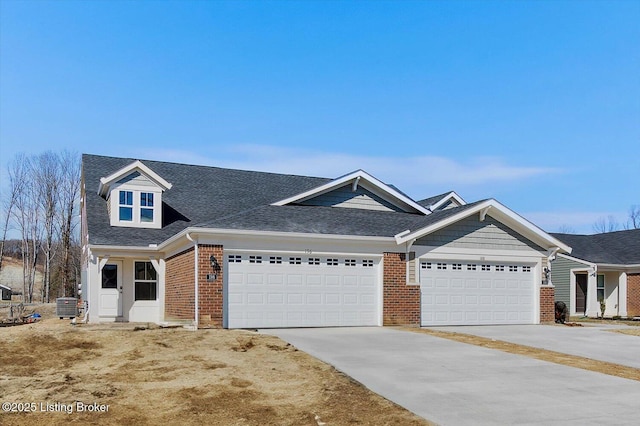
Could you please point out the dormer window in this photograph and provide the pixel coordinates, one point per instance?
(135, 206)
(125, 209)
(146, 207)
(134, 196)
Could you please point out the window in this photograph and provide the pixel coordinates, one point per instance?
(110, 276)
(332, 262)
(600, 287)
(500, 268)
(314, 261)
(350, 262)
(133, 207)
(235, 258)
(255, 259)
(125, 206)
(442, 266)
(367, 263)
(275, 259)
(526, 269)
(486, 267)
(513, 268)
(426, 265)
(471, 267)
(456, 266)
(146, 281)
(295, 261)
(146, 201)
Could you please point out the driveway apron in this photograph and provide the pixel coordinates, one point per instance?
(453, 383)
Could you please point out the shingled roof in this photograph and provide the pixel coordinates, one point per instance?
(618, 248)
(213, 197)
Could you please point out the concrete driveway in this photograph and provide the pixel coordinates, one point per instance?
(453, 383)
(590, 341)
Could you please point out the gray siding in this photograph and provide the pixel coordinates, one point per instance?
(471, 233)
(561, 278)
(136, 178)
(358, 199)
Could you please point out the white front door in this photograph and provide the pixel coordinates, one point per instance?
(267, 290)
(473, 293)
(111, 290)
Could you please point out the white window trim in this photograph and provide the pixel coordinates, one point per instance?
(134, 280)
(136, 221)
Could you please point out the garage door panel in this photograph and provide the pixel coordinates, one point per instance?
(275, 298)
(255, 279)
(442, 282)
(295, 280)
(295, 299)
(367, 299)
(314, 280)
(332, 280)
(255, 299)
(303, 292)
(492, 293)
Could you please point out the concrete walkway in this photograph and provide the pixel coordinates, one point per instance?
(453, 383)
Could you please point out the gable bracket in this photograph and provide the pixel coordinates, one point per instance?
(354, 186)
(483, 213)
(103, 262)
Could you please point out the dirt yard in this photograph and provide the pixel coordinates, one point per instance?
(175, 376)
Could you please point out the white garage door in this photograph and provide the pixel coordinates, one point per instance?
(465, 293)
(278, 290)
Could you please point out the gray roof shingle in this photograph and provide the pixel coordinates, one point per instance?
(620, 247)
(212, 197)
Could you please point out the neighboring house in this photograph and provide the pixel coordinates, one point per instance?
(5, 292)
(600, 267)
(243, 249)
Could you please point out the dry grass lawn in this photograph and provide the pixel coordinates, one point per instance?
(175, 376)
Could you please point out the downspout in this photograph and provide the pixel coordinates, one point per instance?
(197, 307)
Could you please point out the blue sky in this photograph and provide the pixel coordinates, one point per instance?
(534, 103)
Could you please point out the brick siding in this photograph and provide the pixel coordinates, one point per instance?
(210, 295)
(401, 302)
(179, 290)
(547, 304)
(633, 295)
(179, 286)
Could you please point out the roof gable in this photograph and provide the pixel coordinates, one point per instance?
(131, 172)
(359, 179)
(498, 212)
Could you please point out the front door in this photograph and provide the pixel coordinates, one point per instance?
(581, 293)
(111, 291)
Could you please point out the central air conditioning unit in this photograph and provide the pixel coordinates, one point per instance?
(66, 307)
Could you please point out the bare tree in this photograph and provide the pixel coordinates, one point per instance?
(566, 229)
(46, 177)
(608, 224)
(8, 205)
(25, 214)
(634, 217)
(69, 192)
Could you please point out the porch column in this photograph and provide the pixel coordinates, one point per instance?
(622, 294)
(593, 305)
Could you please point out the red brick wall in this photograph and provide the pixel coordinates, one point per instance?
(179, 289)
(210, 294)
(547, 304)
(401, 302)
(633, 295)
